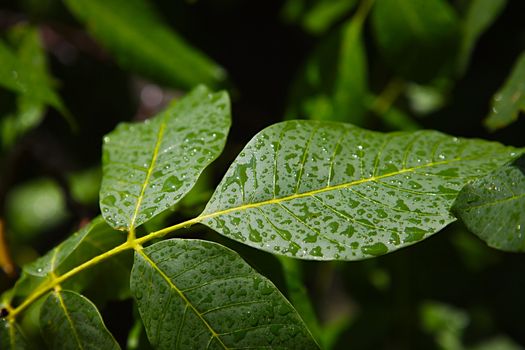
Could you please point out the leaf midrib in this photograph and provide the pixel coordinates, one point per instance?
(182, 296)
(70, 321)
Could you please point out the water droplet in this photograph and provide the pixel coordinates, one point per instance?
(172, 184)
(106, 139)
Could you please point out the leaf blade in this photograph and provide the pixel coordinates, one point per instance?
(212, 294)
(349, 193)
(149, 167)
(493, 207)
(66, 313)
(11, 337)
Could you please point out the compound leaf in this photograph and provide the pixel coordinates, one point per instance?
(195, 294)
(493, 207)
(11, 337)
(133, 32)
(149, 167)
(70, 321)
(509, 101)
(323, 190)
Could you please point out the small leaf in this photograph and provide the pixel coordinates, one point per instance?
(417, 38)
(509, 101)
(324, 93)
(324, 191)
(133, 32)
(479, 17)
(94, 239)
(70, 321)
(493, 207)
(11, 337)
(149, 167)
(195, 294)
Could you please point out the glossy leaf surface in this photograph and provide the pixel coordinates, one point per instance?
(149, 167)
(200, 295)
(320, 190)
(493, 207)
(133, 32)
(11, 337)
(509, 101)
(414, 40)
(70, 321)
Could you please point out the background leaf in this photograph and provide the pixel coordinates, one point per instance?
(196, 294)
(509, 101)
(140, 41)
(324, 191)
(324, 93)
(149, 167)
(420, 41)
(11, 337)
(493, 207)
(479, 17)
(70, 321)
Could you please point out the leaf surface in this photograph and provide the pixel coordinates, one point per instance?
(11, 337)
(200, 295)
(324, 191)
(509, 101)
(149, 167)
(420, 40)
(133, 32)
(70, 321)
(493, 207)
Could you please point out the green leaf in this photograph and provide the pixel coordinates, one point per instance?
(317, 16)
(445, 322)
(70, 321)
(479, 17)
(11, 337)
(509, 101)
(149, 167)
(195, 294)
(324, 93)
(493, 207)
(133, 32)
(323, 191)
(417, 38)
(94, 239)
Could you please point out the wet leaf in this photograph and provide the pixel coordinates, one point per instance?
(11, 337)
(195, 294)
(148, 167)
(70, 321)
(111, 276)
(493, 207)
(479, 17)
(421, 40)
(509, 101)
(134, 33)
(324, 191)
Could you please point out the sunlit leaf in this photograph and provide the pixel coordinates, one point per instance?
(70, 321)
(133, 32)
(509, 101)
(479, 17)
(11, 337)
(149, 167)
(420, 40)
(493, 207)
(321, 190)
(333, 83)
(200, 295)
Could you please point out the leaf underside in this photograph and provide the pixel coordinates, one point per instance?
(493, 207)
(70, 321)
(149, 167)
(324, 191)
(200, 295)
